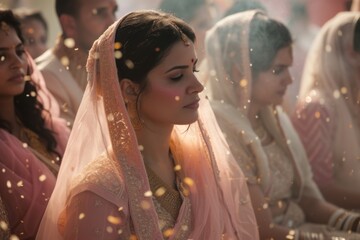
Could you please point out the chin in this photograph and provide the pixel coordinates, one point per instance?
(188, 120)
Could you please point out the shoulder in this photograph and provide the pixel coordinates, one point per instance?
(101, 176)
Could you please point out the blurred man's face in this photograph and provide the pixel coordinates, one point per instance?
(94, 17)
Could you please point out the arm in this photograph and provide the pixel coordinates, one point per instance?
(264, 217)
(355, 6)
(89, 216)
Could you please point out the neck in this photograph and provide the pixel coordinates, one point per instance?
(156, 144)
(7, 112)
(253, 114)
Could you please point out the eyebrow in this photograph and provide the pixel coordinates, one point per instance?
(181, 66)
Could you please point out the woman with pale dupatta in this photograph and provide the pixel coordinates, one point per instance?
(146, 159)
(246, 74)
(328, 111)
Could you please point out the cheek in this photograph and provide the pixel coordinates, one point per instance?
(166, 94)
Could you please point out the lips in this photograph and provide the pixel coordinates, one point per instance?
(18, 78)
(193, 105)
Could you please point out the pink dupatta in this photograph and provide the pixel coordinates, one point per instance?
(220, 203)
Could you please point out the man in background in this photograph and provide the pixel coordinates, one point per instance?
(64, 65)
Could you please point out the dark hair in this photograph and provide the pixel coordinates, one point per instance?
(357, 36)
(25, 14)
(184, 9)
(27, 107)
(267, 37)
(69, 7)
(244, 5)
(145, 38)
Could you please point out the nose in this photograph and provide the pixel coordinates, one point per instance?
(196, 86)
(288, 79)
(110, 19)
(17, 61)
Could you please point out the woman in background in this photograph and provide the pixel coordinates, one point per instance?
(34, 29)
(31, 141)
(246, 74)
(328, 112)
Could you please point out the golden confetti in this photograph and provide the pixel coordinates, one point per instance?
(185, 227)
(20, 184)
(133, 237)
(157, 49)
(42, 178)
(110, 117)
(243, 83)
(141, 148)
(27, 78)
(336, 94)
(14, 237)
(145, 205)
(114, 220)
(8, 184)
(33, 94)
(3, 225)
(109, 229)
(65, 61)
(148, 194)
(168, 232)
(118, 55)
(317, 114)
(188, 181)
(69, 42)
(117, 45)
(129, 64)
(160, 191)
(2, 58)
(265, 206)
(344, 90)
(96, 55)
(177, 167)
(177, 98)
(81, 216)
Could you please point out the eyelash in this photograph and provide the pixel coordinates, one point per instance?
(181, 75)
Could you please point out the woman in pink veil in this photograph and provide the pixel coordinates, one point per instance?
(328, 113)
(31, 140)
(246, 74)
(146, 158)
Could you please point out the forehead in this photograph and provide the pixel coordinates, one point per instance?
(94, 4)
(9, 38)
(178, 54)
(284, 56)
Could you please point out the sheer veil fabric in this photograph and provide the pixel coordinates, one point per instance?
(220, 202)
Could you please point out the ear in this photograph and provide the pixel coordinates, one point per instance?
(129, 89)
(68, 25)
